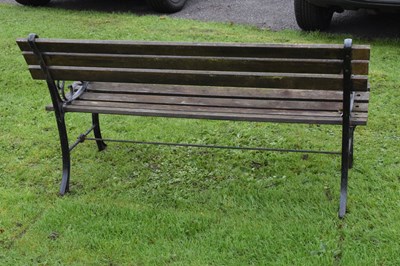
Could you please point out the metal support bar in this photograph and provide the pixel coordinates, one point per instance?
(352, 98)
(97, 132)
(81, 138)
(215, 146)
(347, 90)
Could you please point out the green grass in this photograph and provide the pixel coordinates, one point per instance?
(141, 205)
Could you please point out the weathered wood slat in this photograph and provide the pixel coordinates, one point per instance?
(206, 78)
(228, 92)
(221, 102)
(213, 116)
(170, 107)
(284, 65)
(360, 52)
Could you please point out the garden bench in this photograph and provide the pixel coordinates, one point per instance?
(281, 83)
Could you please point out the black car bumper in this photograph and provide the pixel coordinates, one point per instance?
(382, 5)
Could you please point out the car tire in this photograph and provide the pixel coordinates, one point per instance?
(33, 2)
(167, 6)
(310, 17)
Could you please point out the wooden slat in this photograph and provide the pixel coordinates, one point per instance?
(311, 51)
(228, 92)
(322, 66)
(221, 102)
(360, 67)
(170, 107)
(206, 78)
(214, 116)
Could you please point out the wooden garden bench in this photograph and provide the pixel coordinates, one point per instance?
(281, 83)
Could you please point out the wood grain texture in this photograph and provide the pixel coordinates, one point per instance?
(309, 51)
(205, 78)
(252, 117)
(222, 102)
(238, 64)
(223, 92)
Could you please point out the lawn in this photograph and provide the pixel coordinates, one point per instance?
(152, 205)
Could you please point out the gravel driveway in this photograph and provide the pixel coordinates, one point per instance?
(271, 14)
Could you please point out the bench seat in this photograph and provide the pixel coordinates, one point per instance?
(220, 103)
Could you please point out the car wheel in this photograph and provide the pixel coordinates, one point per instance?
(33, 2)
(311, 17)
(167, 6)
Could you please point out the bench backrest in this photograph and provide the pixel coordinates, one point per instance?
(286, 66)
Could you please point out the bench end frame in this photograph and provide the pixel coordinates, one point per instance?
(59, 100)
(59, 113)
(347, 129)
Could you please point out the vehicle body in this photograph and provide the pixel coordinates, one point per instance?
(317, 14)
(379, 5)
(164, 6)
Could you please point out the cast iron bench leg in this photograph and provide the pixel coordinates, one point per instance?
(347, 128)
(351, 146)
(345, 169)
(66, 159)
(343, 190)
(97, 133)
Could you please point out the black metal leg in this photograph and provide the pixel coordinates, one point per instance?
(346, 126)
(343, 192)
(97, 133)
(351, 146)
(66, 159)
(344, 170)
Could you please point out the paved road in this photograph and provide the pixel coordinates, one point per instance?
(271, 14)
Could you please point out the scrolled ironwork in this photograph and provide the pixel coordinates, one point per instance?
(75, 90)
(60, 84)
